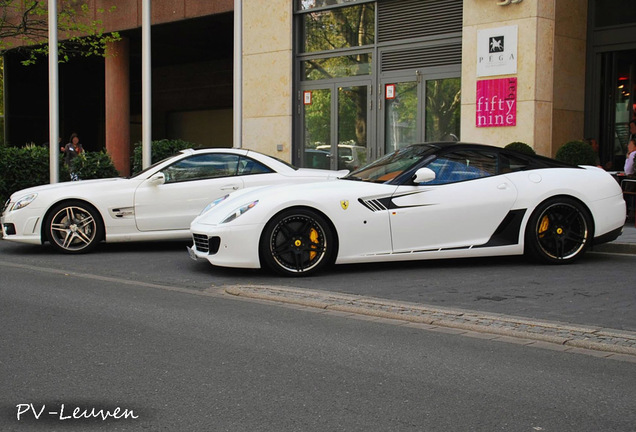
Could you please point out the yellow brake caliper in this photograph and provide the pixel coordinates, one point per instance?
(313, 237)
(543, 227)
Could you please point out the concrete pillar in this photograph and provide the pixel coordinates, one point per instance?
(117, 77)
(534, 20)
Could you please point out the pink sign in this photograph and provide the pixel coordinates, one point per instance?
(496, 103)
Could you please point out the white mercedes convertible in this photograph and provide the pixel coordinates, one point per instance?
(156, 204)
(434, 200)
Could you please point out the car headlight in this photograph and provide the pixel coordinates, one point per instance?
(213, 204)
(24, 201)
(239, 211)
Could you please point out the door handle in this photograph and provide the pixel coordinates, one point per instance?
(229, 187)
(503, 186)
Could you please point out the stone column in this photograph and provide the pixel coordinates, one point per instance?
(117, 84)
(535, 71)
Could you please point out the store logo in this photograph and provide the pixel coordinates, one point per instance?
(497, 51)
(496, 44)
(496, 102)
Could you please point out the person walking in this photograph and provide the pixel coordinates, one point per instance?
(71, 151)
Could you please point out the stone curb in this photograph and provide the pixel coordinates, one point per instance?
(593, 338)
(620, 248)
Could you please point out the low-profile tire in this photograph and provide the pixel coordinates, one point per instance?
(559, 231)
(73, 227)
(297, 242)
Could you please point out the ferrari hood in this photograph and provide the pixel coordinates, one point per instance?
(279, 196)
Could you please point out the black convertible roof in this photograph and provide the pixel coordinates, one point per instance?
(537, 161)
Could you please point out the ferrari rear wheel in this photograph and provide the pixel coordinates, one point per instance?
(74, 227)
(559, 231)
(297, 242)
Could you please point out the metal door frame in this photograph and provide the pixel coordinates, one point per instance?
(333, 85)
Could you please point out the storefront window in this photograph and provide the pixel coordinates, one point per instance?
(346, 27)
(336, 67)
(358, 97)
(312, 4)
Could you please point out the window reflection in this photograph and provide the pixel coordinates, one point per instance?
(312, 4)
(345, 27)
(443, 105)
(401, 117)
(336, 67)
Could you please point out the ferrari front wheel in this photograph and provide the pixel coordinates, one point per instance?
(297, 242)
(559, 231)
(74, 227)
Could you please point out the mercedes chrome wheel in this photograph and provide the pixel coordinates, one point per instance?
(73, 227)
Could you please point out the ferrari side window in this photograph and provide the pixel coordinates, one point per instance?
(201, 167)
(463, 165)
(508, 163)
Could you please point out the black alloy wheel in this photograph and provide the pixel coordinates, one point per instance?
(559, 231)
(74, 227)
(297, 242)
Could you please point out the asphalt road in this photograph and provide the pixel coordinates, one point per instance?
(141, 336)
(598, 290)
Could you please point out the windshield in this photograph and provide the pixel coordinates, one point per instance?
(154, 165)
(392, 165)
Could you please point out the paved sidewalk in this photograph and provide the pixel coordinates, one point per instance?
(625, 243)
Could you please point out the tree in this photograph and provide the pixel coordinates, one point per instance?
(24, 27)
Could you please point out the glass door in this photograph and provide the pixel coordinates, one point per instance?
(423, 108)
(618, 108)
(400, 114)
(316, 128)
(335, 126)
(353, 125)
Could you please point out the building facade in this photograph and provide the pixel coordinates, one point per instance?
(337, 83)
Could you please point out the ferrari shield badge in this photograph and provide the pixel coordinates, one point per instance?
(344, 204)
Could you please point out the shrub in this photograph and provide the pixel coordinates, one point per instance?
(160, 150)
(576, 153)
(521, 148)
(94, 165)
(24, 167)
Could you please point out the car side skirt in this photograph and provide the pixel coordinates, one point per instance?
(466, 252)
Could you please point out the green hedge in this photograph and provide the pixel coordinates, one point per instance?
(521, 148)
(576, 153)
(24, 167)
(161, 149)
